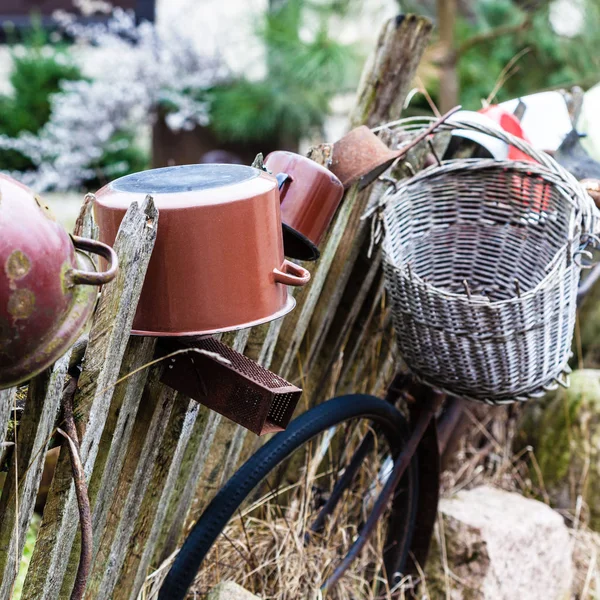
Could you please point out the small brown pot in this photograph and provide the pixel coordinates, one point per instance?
(218, 262)
(360, 157)
(310, 195)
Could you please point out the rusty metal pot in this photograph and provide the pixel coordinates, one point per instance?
(309, 195)
(360, 156)
(218, 262)
(47, 288)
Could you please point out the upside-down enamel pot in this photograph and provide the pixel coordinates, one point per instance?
(218, 262)
(309, 194)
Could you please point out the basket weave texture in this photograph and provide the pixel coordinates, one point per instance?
(482, 265)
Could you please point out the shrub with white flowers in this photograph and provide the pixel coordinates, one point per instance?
(139, 68)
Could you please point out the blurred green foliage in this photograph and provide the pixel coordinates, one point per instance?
(306, 66)
(542, 58)
(121, 156)
(38, 70)
(548, 59)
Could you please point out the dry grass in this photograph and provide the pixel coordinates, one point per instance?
(485, 455)
(264, 552)
(586, 563)
(279, 566)
(263, 548)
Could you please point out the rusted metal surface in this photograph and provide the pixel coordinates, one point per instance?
(94, 277)
(360, 154)
(42, 308)
(428, 457)
(452, 426)
(241, 390)
(309, 198)
(218, 252)
(81, 491)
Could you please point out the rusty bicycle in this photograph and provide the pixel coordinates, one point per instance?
(369, 470)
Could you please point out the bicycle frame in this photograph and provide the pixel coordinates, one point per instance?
(431, 439)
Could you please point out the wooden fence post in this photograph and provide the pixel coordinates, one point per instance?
(34, 433)
(105, 350)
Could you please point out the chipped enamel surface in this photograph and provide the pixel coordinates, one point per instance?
(40, 316)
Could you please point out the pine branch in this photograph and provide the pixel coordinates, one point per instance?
(493, 34)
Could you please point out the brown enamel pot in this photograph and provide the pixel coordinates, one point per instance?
(218, 262)
(310, 195)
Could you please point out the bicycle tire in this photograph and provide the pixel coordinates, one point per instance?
(300, 431)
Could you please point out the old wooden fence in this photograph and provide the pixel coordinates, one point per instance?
(152, 457)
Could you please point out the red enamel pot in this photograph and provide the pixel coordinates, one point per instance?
(309, 195)
(218, 262)
(48, 287)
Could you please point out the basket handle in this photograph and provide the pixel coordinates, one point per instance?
(590, 213)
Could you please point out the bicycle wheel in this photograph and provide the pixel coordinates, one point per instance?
(295, 493)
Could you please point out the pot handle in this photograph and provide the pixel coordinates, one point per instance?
(282, 179)
(292, 274)
(283, 182)
(92, 277)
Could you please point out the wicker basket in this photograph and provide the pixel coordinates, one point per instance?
(482, 261)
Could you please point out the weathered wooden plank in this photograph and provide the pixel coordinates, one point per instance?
(145, 421)
(349, 283)
(117, 432)
(153, 509)
(386, 81)
(26, 466)
(340, 272)
(108, 340)
(194, 462)
(194, 449)
(384, 84)
(235, 452)
(390, 70)
(7, 400)
(364, 369)
(114, 443)
(361, 334)
(84, 225)
(227, 432)
(263, 340)
(124, 512)
(322, 365)
(293, 330)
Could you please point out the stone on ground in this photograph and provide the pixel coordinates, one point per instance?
(230, 591)
(499, 545)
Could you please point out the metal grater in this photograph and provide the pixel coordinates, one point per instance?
(241, 390)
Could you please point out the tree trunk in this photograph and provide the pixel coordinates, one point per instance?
(448, 77)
